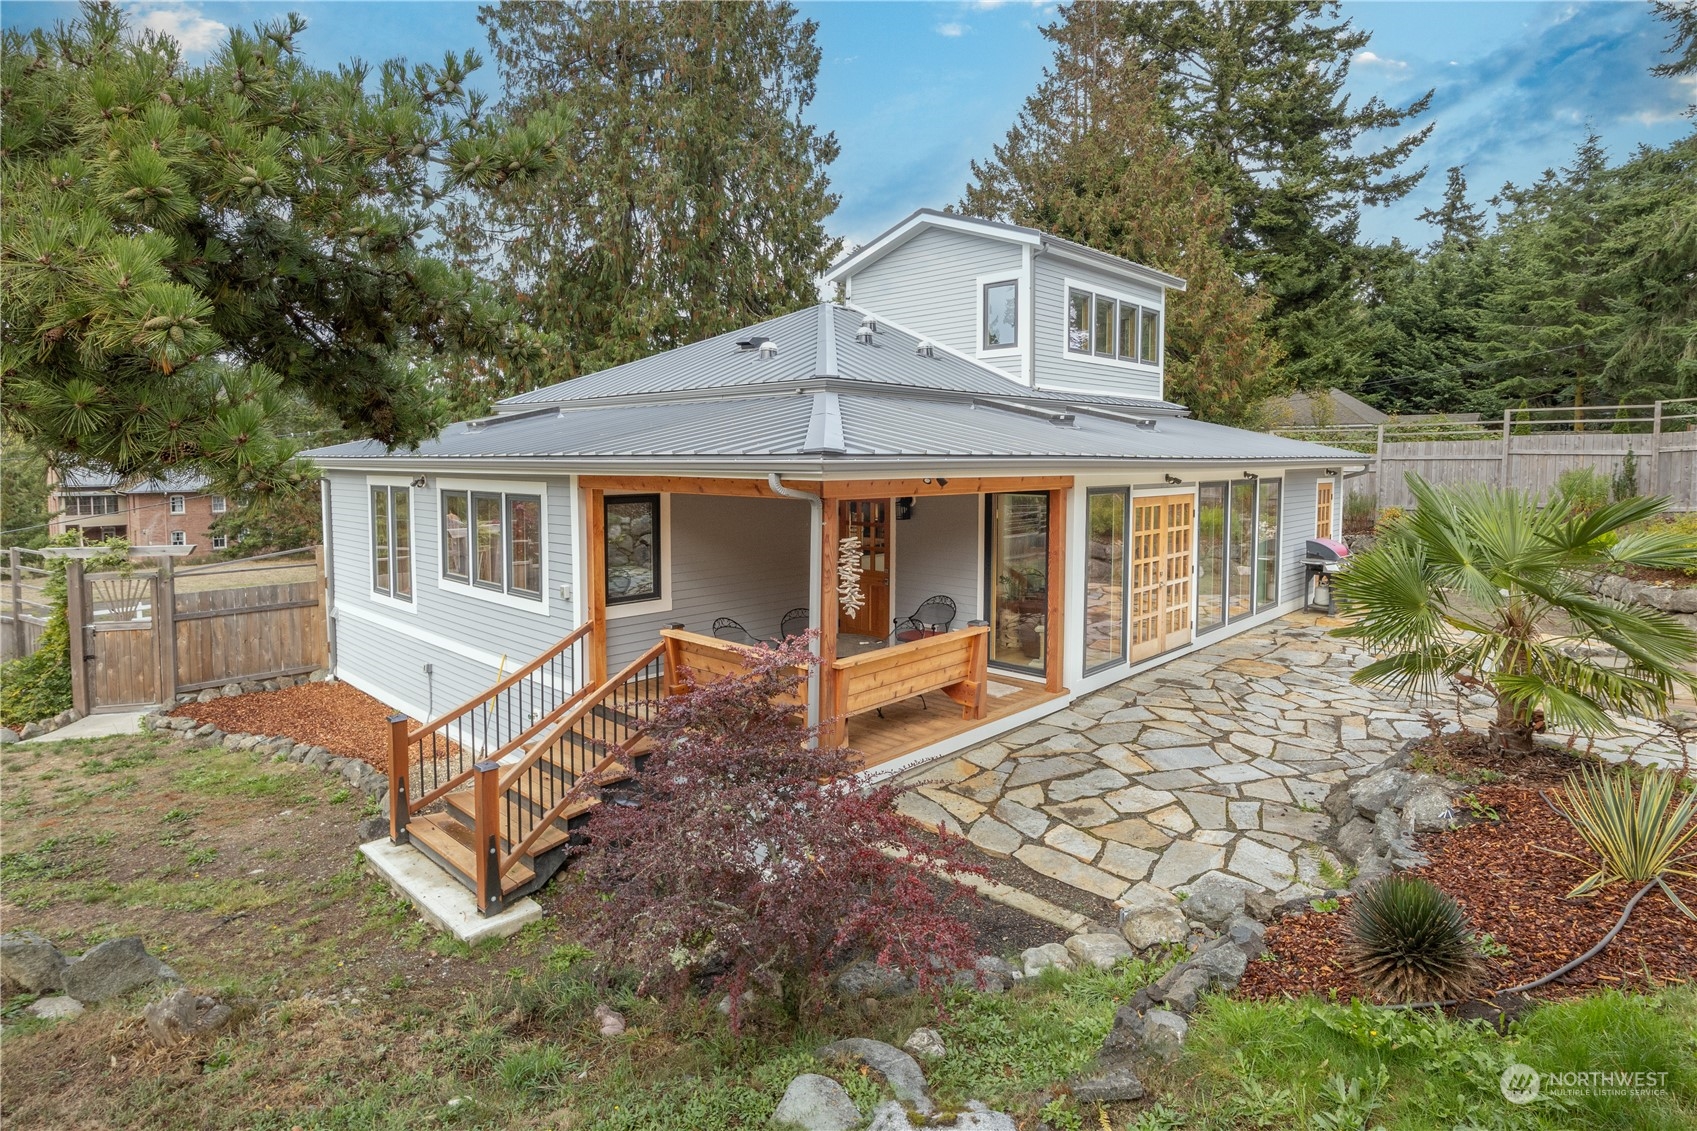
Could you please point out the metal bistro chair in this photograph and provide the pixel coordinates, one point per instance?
(727, 629)
(934, 617)
(794, 623)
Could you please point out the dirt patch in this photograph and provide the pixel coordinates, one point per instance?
(1507, 875)
(1469, 757)
(337, 716)
(1678, 578)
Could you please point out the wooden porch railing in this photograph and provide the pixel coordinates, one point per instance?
(709, 659)
(438, 757)
(954, 663)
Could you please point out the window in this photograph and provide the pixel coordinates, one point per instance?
(85, 506)
(179, 538)
(219, 505)
(1267, 550)
(1104, 336)
(1150, 353)
(1128, 330)
(1001, 315)
(1078, 321)
(1237, 544)
(1210, 556)
(1017, 562)
(1105, 579)
(391, 541)
(220, 542)
(633, 548)
(179, 505)
(493, 540)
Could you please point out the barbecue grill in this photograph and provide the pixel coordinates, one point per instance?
(1325, 557)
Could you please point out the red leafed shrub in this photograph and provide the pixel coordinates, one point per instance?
(752, 855)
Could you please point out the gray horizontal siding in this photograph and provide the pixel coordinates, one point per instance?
(929, 285)
(387, 655)
(937, 551)
(741, 558)
(1055, 367)
(1295, 529)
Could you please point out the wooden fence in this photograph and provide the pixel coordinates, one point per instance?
(24, 614)
(149, 634)
(1527, 449)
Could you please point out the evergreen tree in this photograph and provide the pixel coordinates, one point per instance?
(185, 248)
(1650, 274)
(1255, 91)
(693, 198)
(1457, 221)
(1089, 160)
(1682, 15)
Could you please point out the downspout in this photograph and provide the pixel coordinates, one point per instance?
(815, 570)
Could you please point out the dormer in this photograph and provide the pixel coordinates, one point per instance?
(1043, 311)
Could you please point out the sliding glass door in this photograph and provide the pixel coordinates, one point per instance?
(1018, 559)
(1210, 556)
(1104, 578)
(1237, 548)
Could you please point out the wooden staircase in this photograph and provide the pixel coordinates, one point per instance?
(503, 824)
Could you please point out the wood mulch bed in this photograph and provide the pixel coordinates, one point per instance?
(1467, 756)
(337, 716)
(1506, 875)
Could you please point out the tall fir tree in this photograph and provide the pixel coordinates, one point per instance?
(186, 248)
(1458, 221)
(693, 198)
(1090, 161)
(1256, 93)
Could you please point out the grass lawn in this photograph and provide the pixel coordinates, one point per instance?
(241, 873)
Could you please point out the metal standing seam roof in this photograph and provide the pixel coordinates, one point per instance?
(843, 424)
(93, 479)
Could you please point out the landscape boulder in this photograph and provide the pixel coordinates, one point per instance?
(815, 1103)
(1213, 900)
(925, 1044)
(1034, 960)
(1152, 917)
(1098, 948)
(112, 969)
(8, 736)
(897, 1069)
(891, 1116)
(867, 979)
(59, 1008)
(181, 1016)
(29, 964)
(1163, 1033)
(1107, 1084)
(610, 1021)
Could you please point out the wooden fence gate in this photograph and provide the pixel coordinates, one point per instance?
(120, 654)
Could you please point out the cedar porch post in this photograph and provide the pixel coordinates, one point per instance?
(1054, 636)
(834, 731)
(595, 576)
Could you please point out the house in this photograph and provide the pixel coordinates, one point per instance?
(965, 476)
(1336, 408)
(176, 510)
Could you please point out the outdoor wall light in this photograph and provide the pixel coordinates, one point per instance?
(941, 482)
(418, 481)
(1250, 475)
(1172, 479)
(904, 507)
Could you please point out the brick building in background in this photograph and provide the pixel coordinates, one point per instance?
(176, 510)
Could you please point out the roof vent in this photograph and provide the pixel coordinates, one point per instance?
(749, 345)
(869, 325)
(864, 334)
(925, 350)
(768, 348)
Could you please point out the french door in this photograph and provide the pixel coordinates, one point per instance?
(869, 521)
(1162, 573)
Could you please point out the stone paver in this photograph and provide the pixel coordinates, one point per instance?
(1215, 763)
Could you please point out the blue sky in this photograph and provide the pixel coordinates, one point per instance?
(916, 91)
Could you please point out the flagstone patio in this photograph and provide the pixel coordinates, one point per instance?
(1216, 762)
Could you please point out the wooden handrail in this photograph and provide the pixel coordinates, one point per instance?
(482, 697)
(504, 749)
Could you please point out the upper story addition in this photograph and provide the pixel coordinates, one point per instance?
(1047, 312)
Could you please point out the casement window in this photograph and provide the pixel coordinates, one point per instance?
(87, 506)
(391, 541)
(1001, 315)
(493, 540)
(220, 542)
(1112, 329)
(179, 504)
(633, 551)
(179, 538)
(219, 504)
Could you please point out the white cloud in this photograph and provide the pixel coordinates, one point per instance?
(1372, 59)
(197, 32)
(954, 29)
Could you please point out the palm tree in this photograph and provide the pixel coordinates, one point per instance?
(1485, 588)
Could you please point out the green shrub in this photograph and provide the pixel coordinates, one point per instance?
(1625, 482)
(1581, 491)
(1637, 838)
(1410, 942)
(38, 686)
(1358, 513)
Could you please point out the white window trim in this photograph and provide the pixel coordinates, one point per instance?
(538, 605)
(177, 504)
(219, 504)
(220, 542)
(1070, 284)
(412, 542)
(1333, 517)
(1017, 278)
(662, 603)
(179, 538)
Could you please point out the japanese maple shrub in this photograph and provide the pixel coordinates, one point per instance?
(754, 856)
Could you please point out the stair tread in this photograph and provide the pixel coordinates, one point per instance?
(452, 841)
(461, 801)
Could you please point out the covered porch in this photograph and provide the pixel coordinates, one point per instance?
(712, 563)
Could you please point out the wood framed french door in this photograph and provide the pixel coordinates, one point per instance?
(869, 521)
(1163, 566)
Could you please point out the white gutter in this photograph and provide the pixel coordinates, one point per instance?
(815, 570)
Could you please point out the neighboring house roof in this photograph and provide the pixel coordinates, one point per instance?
(181, 481)
(929, 218)
(1334, 407)
(824, 396)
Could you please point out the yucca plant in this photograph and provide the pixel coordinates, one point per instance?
(1490, 589)
(1411, 942)
(1640, 838)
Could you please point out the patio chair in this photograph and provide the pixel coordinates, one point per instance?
(794, 623)
(727, 629)
(932, 618)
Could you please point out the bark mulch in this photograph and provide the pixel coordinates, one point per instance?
(1467, 756)
(1514, 888)
(337, 716)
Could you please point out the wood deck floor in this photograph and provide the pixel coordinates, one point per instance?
(906, 726)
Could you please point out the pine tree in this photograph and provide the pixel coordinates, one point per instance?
(187, 248)
(693, 199)
(1089, 160)
(1255, 91)
(1457, 221)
